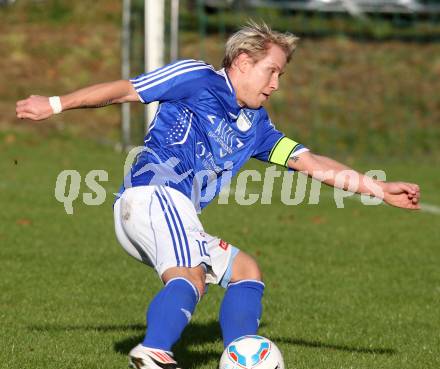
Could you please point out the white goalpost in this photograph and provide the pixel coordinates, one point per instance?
(154, 49)
(153, 44)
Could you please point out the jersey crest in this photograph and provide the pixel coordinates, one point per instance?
(245, 120)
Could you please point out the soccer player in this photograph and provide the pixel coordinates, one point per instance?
(208, 124)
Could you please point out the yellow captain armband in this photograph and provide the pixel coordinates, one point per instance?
(282, 150)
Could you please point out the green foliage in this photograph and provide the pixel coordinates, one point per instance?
(54, 11)
(376, 26)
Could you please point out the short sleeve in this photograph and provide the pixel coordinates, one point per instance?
(272, 145)
(171, 82)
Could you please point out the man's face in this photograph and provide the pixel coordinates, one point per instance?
(260, 79)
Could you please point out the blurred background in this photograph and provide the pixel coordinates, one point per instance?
(364, 81)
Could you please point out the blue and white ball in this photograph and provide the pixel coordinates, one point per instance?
(251, 352)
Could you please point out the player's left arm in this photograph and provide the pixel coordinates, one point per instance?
(399, 194)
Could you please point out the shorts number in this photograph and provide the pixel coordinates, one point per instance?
(202, 248)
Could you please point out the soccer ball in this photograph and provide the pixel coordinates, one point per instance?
(251, 352)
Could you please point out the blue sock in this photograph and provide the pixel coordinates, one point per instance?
(240, 312)
(169, 313)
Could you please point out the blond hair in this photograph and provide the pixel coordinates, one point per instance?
(254, 39)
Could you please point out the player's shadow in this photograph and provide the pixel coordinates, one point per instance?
(199, 334)
(322, 345)
(194, 334)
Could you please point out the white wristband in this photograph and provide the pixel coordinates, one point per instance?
(55, 104)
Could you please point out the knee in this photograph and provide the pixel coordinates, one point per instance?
(245, 267)
(196, 276)
(198, 281)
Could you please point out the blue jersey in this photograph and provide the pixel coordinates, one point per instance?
(200, 136)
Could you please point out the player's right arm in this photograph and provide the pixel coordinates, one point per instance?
(171, 82)
(37, 107)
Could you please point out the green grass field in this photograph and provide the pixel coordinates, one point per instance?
(356, 288)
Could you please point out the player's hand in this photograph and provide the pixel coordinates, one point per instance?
(34, 107)
(403, 195)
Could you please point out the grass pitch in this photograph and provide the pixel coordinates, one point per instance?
(356, 288)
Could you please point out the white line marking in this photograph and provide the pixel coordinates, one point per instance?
(430, 208)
